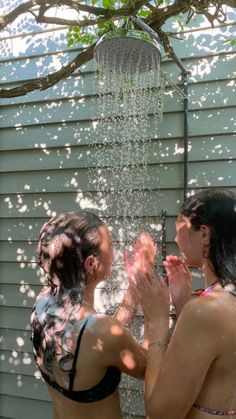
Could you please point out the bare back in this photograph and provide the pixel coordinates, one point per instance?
(102, 344)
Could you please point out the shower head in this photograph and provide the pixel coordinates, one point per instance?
(127, 51)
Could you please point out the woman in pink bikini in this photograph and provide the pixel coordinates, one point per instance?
(193, 376)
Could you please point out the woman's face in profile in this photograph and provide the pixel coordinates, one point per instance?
(188, 241)
(105, 256)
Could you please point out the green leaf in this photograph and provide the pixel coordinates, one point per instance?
(87, 38)
(144, 13)
(231, 42)
(108, 4)
(70, 43)
(105, 27)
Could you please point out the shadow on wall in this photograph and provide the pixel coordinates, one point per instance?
(56, 156)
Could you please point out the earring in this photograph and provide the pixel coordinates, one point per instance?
(205, 250)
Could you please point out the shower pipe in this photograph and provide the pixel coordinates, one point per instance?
(163, 239)
(184, 73)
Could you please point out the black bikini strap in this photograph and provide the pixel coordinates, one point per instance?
(73, 369)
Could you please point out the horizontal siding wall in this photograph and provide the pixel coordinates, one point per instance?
(55, 157)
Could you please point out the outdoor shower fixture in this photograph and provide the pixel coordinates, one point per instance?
(130, 51)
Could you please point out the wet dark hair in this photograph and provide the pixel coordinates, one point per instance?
(65, 242)
(216, 208)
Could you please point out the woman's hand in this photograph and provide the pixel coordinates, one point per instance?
(180, 283)
(143, 255)
(154, 296)
(155, 303)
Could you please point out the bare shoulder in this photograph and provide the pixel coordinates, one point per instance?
(43, 292)
(202, 312)
(108, 328)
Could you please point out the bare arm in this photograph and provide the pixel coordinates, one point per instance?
(180, 283)
(128, 308)
(144, 248)
(179, 371)
(120, 349)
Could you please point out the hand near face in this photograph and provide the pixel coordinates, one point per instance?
(154, 298)
(143, 256)
(180, 284)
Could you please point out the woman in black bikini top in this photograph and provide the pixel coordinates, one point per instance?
(81, 354)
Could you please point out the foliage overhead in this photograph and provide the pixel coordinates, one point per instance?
(93, 18)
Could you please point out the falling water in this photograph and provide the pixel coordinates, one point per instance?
(128, 113)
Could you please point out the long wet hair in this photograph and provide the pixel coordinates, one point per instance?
(65, 242)
(216, 208)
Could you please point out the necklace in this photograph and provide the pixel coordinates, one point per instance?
(208, 289)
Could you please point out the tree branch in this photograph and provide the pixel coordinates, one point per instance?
(48, 81)
(104, 14)
(156, 19)
(19, 10)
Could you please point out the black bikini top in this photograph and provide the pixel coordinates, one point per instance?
(103, 389)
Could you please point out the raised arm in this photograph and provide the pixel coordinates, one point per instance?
(144, 248)
(180, 284)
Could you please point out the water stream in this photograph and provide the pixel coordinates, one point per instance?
(130, 111)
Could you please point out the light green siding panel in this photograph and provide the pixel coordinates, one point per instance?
(205, 68)
(212, 147)
(212, 122)
(23, 386)
(22, 408)
(201, 42)
(10, 318)
(212, 68)
(17, 251)
(215, 174)
(200, 96)
(19, 295)
(83, 132)
(200, 123)
(137, 153)
(91, 157)
(77, 109)
(157, 151)
(212, 95)
(15, 340)
(28, 229)
(22, 68)
(158, 176)
(15, 229)
(80, 157)
(15, 362)
(18, 273)
(42, 205)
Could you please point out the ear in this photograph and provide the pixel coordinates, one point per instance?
(90, 264)
(206, 234)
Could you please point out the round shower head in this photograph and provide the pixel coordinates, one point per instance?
(127, 51)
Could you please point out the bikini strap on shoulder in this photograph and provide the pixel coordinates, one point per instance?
(73, 369)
